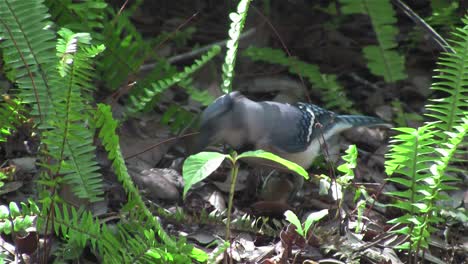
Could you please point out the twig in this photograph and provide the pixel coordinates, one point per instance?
(158, 144)
(420, 22)
(195, 52)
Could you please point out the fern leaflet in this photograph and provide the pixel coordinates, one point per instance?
(383, 60)
(237, 24)
(453, 81)
(139, 100)
(107, 125)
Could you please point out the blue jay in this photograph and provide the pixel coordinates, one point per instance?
(294, 132)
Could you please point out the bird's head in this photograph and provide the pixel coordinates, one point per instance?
(221, 122)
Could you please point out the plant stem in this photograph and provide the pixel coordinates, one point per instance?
(234, 172)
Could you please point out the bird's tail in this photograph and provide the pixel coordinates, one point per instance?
(359, 120)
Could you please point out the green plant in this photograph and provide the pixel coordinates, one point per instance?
(303, 229)
(139, 100)
(344, 183)
(16, 221)
(11, 116)
(110, 140)
(55, 78)
(199, 166)
(125, 51)
(443, 13)
(382, 60)
(420, 159)
(237, 24)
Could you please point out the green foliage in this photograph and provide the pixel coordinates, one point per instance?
(56, 92)
(203, 97)
(403, 118)
(28, 50)
(453, 81)
(411, 158)
(348, 167)
(177, 118)
(139, 100)
(70, 140)
(199, 166)
(125, 48)
(235, 29)
(343, 182)
(13, 220)
(11, 116)
(78, 227)
(169, 250)
(270, 156)
(420, 159)
(333, 94)
(82, 16)
(383, 60)
(443, 13)
(303, 229)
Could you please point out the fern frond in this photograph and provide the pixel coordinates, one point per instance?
(348, 167)
(333, 94)
(383, 60)
(409, 152)
(444, 14)
(82, 16)
(78, 226)
(425, 187)
(126, 50)
(110, 140)
(453, 81)
(28, 50)
(70, 141)
(203, 97)
(139, 100)
(235, 29)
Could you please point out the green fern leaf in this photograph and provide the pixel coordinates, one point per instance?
(235, 29)
(107, 125)
(383, 60)
(70, 141)
(57, 100)
(11, 116)
(28, 50)
(82, 16)
(139, 100)
(453, 81)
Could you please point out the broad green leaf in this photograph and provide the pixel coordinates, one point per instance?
(199, 166)
(14, 210)
(7, 227)
(314, 217)
(291, 217)
(154, 254)
(270, 156)
(199, 255)
(4, 212)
